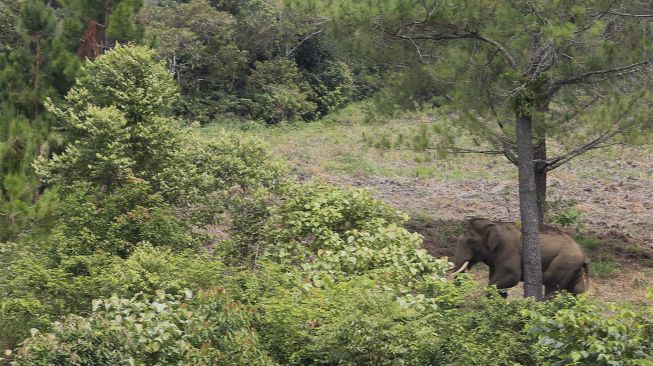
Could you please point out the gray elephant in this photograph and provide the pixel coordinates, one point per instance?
(498, 244)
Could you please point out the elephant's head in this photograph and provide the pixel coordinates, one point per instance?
(476, 244)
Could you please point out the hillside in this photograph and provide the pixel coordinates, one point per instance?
(612, 188)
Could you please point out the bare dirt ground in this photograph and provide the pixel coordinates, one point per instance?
(612, 187)
(618, 212)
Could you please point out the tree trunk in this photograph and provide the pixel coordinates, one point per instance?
(106, 24)
(539, 155)
(37, 70)
(531, 259)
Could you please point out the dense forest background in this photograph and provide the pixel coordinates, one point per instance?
(141, 224)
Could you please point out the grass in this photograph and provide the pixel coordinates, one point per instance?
(342, 150)
(604, 266)
(344, 143)
(588, 243)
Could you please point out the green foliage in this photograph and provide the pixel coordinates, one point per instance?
(20, 212)
(333, 86)
(227, 161)
(116, 119)
(38, 286)
(123, 25)
(563, 213)
(9, 13)
(318, 216)
(586, 242)
(98, 24)
(354, 323)
(603, 266)
(166, 330)
(586, 334)
(128, 78)
(277, 92)
(17, 317)
(200, 47)
(116, 223)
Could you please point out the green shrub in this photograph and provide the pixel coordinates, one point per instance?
(37, 286)
(356, 322)
(603, 266)
(317, 216)
(563, 213)
(277, 92)
(116, 120)
(17, 317)
(116, 223)
(584, 333)
(167, 330)
(228, 161)
(363, 322)
(333, 86)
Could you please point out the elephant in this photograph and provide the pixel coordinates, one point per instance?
(498, 244)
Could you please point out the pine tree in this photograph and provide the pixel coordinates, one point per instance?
(101, 23)
(520, 74)
(34, 68)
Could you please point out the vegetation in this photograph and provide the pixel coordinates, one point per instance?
(131, 235)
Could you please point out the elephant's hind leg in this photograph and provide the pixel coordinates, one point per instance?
(550, 291)
(578, 285)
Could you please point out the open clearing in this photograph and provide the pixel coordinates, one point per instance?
(613, 187)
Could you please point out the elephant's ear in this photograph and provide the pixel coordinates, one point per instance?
(493, 237)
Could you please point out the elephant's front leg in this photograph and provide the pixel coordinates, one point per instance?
(504, 278)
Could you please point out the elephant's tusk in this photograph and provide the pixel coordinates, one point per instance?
(462, 268)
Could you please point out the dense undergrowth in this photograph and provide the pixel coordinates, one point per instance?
(165, 248)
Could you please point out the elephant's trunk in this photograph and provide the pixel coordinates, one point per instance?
(462, 268)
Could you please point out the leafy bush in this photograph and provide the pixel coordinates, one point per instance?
(316, 216)
(333, 86)
(38, 286)
(228, 161)
(17, 317)
(116, 223)
(116, 120)
(353, 323)
(334, 233)
(563, 213)
(585, 333)
(363, 322)
(167, 330)
(277, 92)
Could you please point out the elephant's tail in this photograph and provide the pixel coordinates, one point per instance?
(586, 273)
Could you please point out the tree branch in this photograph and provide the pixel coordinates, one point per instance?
(581, 78)
(594, 144)
(450, 36)
(309, 36)
(631, 15)
(599, 16)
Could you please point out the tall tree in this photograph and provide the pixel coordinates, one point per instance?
(33, 66)
(521, 73)
(103, 22)
(117, 121)
(9, 15)
(199, 45)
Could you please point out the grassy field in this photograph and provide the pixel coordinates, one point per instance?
(610, 189)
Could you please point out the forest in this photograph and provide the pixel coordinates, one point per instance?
(293, 182)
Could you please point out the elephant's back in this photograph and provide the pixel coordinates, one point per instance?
(555, 242)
